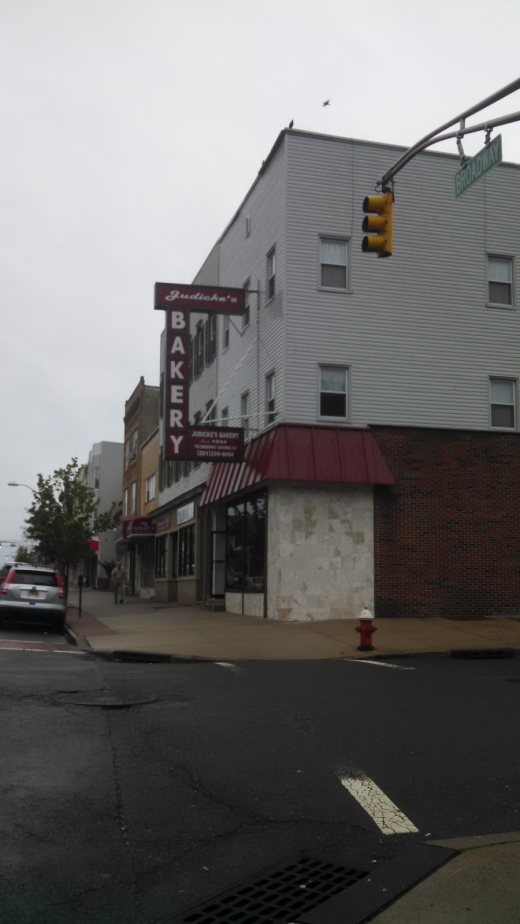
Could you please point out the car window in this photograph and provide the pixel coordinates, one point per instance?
(43, 578)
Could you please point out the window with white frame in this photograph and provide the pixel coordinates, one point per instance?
(271, 274)
(133, 445)
(198, 350)
(333, 263)
(334, 391)
(150, 488)
(210, 414)
(503, 403)
(247, 304)
(125, 502)
(210, 337)
(244, 413)
(270, 397)
(225, 328)
(133, 489)
(500, 281)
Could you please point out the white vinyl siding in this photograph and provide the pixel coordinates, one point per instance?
(503, 403)
(420, 341)
(500, 281)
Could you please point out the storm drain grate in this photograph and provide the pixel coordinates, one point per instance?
(277, 896)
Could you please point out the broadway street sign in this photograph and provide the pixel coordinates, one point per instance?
(478, 165)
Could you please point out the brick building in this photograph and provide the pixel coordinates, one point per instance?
(141, 421)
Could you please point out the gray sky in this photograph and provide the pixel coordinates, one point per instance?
(132, 129)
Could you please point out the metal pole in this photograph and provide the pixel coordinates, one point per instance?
(420, 145)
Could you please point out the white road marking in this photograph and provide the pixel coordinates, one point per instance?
(397, 667)
(231, 667)
(388, 818)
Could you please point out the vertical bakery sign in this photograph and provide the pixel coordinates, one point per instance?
(204, 443)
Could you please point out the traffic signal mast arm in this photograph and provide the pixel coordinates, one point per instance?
(379, 208)
(436, 136)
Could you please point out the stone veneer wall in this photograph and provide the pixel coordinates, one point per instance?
(320, 551)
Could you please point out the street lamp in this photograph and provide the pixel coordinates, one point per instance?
(16, 484)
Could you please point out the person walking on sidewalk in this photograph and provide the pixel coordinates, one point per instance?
(118, 578)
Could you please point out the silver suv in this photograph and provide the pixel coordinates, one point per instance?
(30, 594)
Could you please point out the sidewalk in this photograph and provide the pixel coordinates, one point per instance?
(146, 626)
(479, 886)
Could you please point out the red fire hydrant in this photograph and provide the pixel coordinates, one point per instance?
(366, 630)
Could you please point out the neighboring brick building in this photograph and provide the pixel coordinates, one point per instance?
(141, 421)
(447, 537)
(149, 488)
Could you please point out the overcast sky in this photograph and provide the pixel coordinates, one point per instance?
(132, 129)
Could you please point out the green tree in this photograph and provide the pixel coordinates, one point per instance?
(62, 518)
(24, 553)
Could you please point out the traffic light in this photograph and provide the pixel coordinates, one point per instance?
(380, 222)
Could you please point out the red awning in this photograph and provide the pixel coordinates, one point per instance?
(290, 452)
(138, 527)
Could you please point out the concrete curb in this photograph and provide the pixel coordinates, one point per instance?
(151, 657)
(456, 653)
(79, 641)
(460, 844)
(148, 657)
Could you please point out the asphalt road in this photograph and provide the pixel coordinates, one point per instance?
(133, 815)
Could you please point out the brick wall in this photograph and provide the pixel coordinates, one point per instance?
(447, 534)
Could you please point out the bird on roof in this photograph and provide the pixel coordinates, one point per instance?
(327, 102)
(291, 123)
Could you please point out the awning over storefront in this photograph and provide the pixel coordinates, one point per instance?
(137, 528)
(291, 452)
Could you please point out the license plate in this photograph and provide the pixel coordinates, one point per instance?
(33, 593)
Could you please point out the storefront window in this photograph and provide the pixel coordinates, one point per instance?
(187, 551)
(174, 543)
(160, 557)
(245, 544)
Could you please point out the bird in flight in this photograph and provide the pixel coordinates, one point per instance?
(327, 102)
(291, 123)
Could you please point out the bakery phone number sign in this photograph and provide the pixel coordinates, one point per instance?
(181, 441)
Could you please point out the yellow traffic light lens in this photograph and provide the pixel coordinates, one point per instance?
(378, 224)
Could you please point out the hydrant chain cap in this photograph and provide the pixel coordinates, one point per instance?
(366, 614)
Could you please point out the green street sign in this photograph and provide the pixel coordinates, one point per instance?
(478, 165)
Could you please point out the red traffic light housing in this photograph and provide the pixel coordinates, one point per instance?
(378, 224)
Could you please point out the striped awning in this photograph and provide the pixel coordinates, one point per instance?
(294, 452)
